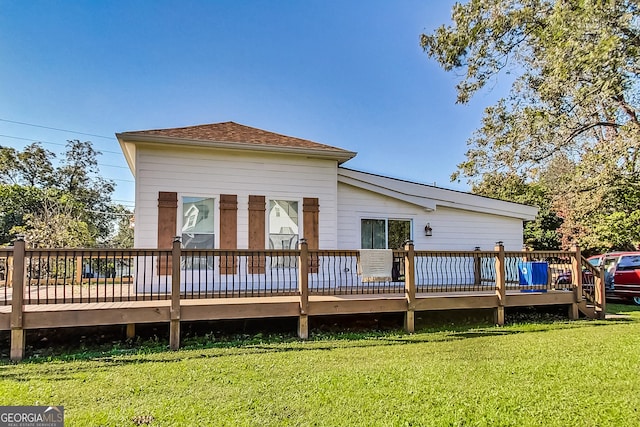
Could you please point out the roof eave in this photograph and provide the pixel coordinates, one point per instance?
(128, 154)
(422, 202)
(340, 156)
(436, 195)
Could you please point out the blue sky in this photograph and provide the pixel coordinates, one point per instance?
(347, 74)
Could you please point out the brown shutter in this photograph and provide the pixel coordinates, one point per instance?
(257, 218)
(228, 231)
(310, 218)
(167, 224)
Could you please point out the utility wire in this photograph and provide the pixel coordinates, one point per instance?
(56, 143)
(32, 140)
(114, 166)
(52, 143)
(51, 128)
(111, 213)
(60, 144)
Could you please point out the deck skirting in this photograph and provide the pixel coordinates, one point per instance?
(116, 313)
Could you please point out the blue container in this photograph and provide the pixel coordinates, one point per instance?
(533, 274)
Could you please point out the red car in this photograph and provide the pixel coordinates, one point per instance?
(587, 278)
(621, 274)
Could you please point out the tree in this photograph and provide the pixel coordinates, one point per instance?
(574, 99)
(123, 238)
(79, 177)
(56, 225)
(539, 234)
(34, 193)
(16, 201)
(31, 167)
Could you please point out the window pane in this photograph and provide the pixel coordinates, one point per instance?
(283, 217)
(283, 230)
(198, 241)
(197, 215)
(373, 234)
(283, 224)
(379, 234)
(399, 232)
(198, 226)
(629, 263)
(366, 234)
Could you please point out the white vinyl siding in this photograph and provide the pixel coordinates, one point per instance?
(453, 229)
(202, 171)
(187, 170)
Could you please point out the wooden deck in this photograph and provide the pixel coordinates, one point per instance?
(478, 281)
(37, 316)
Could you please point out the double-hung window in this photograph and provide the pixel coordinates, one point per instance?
(198, 229)
(284, 229)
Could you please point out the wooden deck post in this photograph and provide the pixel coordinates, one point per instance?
(477, 267)
(174, 327)
(410, 287)
(9, 270)
(500, 284)
(79, 269)
(303, 287)
(17, 301)
(576, 275)
(131, 331)
(600, 295)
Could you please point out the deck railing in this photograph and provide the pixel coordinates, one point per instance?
(6, 266)
(52, 287)
(335, 272)
(53, 276)
(592, 283)
(444, 271)
(558, 265)
(238, 273)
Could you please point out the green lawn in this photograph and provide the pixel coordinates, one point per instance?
(580, 373)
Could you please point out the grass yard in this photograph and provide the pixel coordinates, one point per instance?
(573, 373)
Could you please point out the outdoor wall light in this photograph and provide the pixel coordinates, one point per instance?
(428, 231)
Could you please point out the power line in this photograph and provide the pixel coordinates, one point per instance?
(56, 143)
(32, 140)
(114, 166)
(51, 128)
(52, 143)
(111, 213)
(63, 145)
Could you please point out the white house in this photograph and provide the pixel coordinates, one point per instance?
(230, 186)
